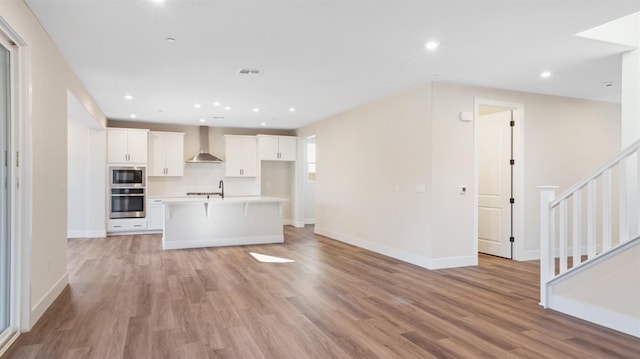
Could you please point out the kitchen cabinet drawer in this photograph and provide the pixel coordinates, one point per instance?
(277, 148)
(127, 225)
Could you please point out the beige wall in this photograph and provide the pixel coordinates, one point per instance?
(564, 140)
(369, 161)
(607, 293)
(372, 158)
(49, 79)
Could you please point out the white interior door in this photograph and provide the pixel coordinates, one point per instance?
(494, 184)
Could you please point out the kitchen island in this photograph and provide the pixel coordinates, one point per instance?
(213, 222)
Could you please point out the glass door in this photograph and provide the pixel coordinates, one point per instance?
(5, 214)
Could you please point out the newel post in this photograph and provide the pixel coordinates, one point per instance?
(547, 194)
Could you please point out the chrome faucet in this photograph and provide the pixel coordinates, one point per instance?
(221, 186)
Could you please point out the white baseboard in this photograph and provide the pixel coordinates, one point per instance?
(87, 234)
(286, 222)
(310, 221)
(221, 242)
(97, 234)
(605, 317)
(454, 262)
(529, 255)
(421, 261)
(298, 224)
(76, 234)
(43, 304)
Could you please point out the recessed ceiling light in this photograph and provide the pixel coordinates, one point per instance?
(227, 108)
(202, 120)
(170, 40)
(432, 45)
(216, 103)
(196, 105)
(132, 116)
(157, 1)
(292, 109)
(545, 74)
(609, 84)
(263, 124)
(128, 97)
(256, 110)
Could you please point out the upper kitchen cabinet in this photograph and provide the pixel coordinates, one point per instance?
(166, 154)
(277, 148)
(127, 145)
(242, 156)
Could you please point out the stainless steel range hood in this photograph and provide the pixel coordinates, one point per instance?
(204, 155)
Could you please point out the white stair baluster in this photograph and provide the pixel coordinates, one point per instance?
(591, 219)
(562, 253)
(577, 227)
(624, 203)
(606, 210)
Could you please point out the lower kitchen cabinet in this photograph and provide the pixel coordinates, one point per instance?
(127, 225)
(155, 214)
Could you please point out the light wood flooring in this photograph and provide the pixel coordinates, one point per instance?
(130, 299)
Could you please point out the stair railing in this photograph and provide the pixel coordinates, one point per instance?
(563, 221)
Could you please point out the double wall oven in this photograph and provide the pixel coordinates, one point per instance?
(127, 187)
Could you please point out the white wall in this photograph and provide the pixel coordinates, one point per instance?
(78, 159)
(372, 160)
(45, 158)
(86, 185)
(309, 187)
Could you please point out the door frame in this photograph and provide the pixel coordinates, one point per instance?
(20, 172)
(518, 174)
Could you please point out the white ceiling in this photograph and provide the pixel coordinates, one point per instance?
(322, 56)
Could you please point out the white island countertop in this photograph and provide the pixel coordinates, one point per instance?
(217, 200)
(193, 222)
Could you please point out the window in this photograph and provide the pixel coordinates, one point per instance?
(311, 160)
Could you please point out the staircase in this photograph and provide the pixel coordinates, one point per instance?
(590, 249)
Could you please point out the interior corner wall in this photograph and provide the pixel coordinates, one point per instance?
(373, 175)
(49, 79)
(78, 178)
(564, 140)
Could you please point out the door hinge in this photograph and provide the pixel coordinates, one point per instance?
(6, 159)
(512, 123)
(17, 159)
(512, 200)
(512, 239)
(512, 162)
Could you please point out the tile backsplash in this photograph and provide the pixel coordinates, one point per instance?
(202, 177)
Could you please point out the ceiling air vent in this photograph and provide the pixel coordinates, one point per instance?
(249, 72)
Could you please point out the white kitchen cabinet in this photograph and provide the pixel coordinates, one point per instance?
(126, 145)
(277, 148)
(166, 154)
(155, 214)
(242, 156)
